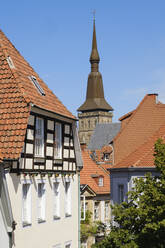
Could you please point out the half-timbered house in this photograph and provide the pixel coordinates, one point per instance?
(39, 145)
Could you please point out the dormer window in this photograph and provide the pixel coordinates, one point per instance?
(101, 181)
(37, 85)
(10, 62)
(106, 156)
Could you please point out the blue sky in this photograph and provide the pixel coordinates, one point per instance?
(55, 38)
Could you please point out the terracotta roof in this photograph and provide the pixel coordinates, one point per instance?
(145, 120)
(143, 156)
(90, 173)
(16, 92)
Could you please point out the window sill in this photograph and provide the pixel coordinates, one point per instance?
(56, 217)
(68, 215)
(25, 223)
(41, 221)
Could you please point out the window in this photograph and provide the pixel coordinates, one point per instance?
(56, 210)
(41, 201)
(96, 210)
(106, 210)
(26, 203)
(10, 62)
(82, 124)
(67, 198)
(120, 193)
(100, 181)
(37, 85)
(39, 137)
(106, 156)
(89, 124)
(58, 141)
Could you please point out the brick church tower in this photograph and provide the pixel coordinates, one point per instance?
(95, 109)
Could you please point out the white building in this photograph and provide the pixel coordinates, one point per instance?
(40, 147)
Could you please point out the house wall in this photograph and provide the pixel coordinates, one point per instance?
(51, 232)
(126, 178)
(4, 237)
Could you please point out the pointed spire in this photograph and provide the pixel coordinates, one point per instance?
(94, 58)
(95, 92)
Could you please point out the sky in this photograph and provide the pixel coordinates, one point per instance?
(55, 37)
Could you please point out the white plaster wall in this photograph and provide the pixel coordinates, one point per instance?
(51, 232)
(4, 238)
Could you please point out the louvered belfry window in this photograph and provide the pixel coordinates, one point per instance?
(58, 141)
(39, 137)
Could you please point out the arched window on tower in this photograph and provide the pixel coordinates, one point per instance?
(89, 124)
(82, 124)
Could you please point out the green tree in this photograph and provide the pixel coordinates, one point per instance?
(140, 222)
(89, 228)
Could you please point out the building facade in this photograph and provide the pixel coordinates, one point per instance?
(95, 109)
(41, 153)
(134, 146)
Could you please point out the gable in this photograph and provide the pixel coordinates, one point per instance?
(146, 119)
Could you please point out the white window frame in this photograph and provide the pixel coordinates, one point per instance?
(101, 181)
(39, 137)
(26, 203)
(96, 210)
(68, 198)
(41, 202)
(56, 198)
(58, 141)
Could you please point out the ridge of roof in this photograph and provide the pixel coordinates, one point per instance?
(126, 115)
(134, 112)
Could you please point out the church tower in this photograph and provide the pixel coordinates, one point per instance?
(95, 109)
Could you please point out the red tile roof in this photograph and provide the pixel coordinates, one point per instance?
(145, 120)
(136, 140)
(91, 168)
(143, 156)
(16, 92)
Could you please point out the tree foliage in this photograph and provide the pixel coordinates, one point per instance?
(89, 228)
(140, 222)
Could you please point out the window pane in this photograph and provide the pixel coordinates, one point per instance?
(39, 137)
(120, 193)
(58, 141)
